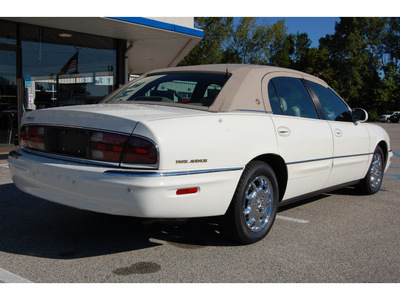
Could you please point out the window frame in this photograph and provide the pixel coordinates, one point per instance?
(319, 105)
(311, 94)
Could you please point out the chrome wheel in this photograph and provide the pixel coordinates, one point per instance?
(257, 205)
(376, 171)
(372, 181)
(254, 205)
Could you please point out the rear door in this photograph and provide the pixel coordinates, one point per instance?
(305, 141)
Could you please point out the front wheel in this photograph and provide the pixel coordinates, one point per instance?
(254, 205)
(373, 180)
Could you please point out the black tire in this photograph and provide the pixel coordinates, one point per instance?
(254, 205)
(373, 180)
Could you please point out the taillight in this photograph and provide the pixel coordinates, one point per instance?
(106, 146)
(139, 151)
(118, 148)
(90, 144)
(33, 137)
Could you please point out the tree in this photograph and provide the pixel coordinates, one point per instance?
(361, 60)
(210, 50)
(247, 42)
(291, 50)
(316, 62)
(390, 91)
(252, 42)
(354, 54)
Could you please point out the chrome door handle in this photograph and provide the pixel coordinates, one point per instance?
(283, 131)
(338, 132)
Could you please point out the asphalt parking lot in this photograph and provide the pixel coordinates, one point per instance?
(338, 237)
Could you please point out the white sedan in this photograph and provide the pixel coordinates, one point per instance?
(210, 140)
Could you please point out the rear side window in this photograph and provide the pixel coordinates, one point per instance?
(294, 98)
(276, 105)
(200, 89)
(334, 108)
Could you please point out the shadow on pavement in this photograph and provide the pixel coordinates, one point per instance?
(35, 227)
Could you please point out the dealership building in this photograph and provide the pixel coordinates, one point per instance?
(47, 62)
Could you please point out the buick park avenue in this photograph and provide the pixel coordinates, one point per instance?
(199, 141)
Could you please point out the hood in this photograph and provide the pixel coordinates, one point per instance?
(114, 117)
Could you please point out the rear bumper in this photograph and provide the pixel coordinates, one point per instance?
(115, 191)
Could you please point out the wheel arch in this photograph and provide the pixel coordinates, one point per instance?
(278, 165)
(384, 147)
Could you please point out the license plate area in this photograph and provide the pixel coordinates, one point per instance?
(66, 141)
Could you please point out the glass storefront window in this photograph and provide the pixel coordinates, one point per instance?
(8, 33)
(66, 68)
(8, 85)
(43, 67)
(8, 98)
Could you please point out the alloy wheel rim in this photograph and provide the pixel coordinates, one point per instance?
(258, 204)
(376, 171)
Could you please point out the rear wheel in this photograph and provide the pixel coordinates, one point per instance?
(254, 205)
(373, 180)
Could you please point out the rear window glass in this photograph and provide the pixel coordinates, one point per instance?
(198, 89)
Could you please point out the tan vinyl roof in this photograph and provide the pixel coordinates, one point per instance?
(244, 90)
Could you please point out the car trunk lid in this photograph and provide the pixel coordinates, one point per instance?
(111, 117)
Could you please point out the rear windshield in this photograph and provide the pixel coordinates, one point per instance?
(198, 89)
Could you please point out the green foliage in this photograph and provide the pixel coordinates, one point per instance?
(211, 49)
(361, 60)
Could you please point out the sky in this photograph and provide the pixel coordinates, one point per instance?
(315, 27)
(314, 17)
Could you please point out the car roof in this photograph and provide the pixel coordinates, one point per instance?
(244, 89)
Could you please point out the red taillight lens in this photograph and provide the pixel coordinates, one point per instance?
(33, 137)
(118, 148)
(106, 146)
(102, 146)
(139, 151)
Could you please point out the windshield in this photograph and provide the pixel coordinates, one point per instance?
(198, 89)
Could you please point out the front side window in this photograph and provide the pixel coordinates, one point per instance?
(334, 108)
(294, 98)
(198, 89)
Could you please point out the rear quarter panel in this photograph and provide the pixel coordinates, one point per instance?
(211, 141)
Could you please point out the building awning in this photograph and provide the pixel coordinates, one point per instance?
(152, 44)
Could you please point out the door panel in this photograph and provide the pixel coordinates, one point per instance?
(351, 144)
(350, 140)
(306, 145)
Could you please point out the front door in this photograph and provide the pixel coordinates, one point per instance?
(351, 144)
(350, 140)
(8, 101)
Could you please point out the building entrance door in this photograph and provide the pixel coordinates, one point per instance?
(8, 100)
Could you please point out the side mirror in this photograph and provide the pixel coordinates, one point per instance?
(359, 115)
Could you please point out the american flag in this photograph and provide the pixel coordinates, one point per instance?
(72, 63)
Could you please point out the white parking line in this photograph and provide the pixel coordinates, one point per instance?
(4, 166)
(292, 219)
(8, 277)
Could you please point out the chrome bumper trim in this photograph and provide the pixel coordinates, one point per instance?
(167, 174)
